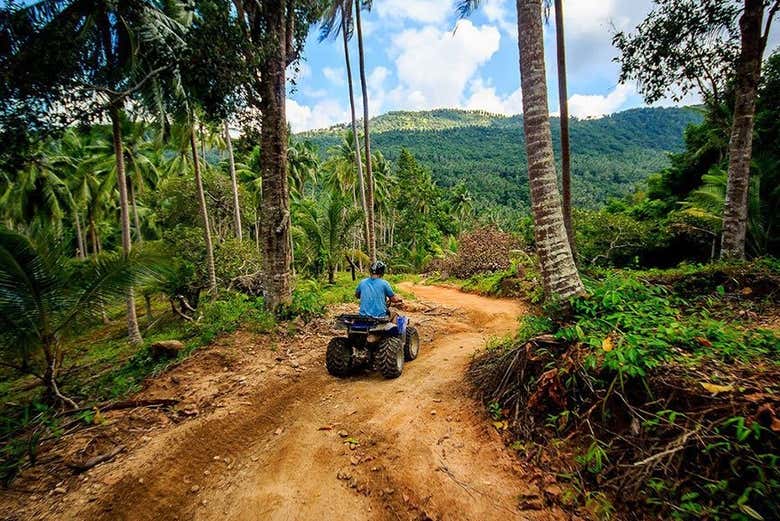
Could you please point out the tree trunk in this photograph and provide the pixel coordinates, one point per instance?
(563, 103)
(371, 237)
(148, 303)
(134, 333)
(257, 236)
(559, 272)
(79, 236)
(735, 211)
(93, 235)
(234, 182)
(204, 214)
(275, 202)
(136, 220)
(358, 162)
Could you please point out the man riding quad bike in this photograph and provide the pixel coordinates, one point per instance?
(376, 336)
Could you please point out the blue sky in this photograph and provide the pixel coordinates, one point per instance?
(420, 56)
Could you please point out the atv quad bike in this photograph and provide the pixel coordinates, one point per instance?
(372, 342)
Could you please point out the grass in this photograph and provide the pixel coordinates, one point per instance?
(100, 364)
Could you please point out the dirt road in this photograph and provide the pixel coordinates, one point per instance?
(281, 439)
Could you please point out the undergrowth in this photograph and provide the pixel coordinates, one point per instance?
(672, 411)
(106, 367)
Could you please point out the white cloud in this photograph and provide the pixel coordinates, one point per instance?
(424, 11)
(483, 96)
(594, 105)
(335, 75)
(502, 13)
(434, 66)
(377, 77)
(322, 114)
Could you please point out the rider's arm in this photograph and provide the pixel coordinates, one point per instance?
(391, 296)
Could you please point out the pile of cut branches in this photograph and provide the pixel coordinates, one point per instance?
(672, 415)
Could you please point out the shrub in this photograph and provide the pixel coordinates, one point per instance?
(229, 312)
(668, 407)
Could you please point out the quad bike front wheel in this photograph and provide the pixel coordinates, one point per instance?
(412, 344)
(390, 357)
(338, 357)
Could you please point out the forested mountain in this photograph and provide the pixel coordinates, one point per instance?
(610, 155)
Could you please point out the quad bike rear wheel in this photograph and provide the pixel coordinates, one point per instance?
(338, 357)
(412, 344)
(390, 357)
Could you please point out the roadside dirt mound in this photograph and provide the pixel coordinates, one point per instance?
(263, 432)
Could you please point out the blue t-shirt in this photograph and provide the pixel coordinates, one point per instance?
(372, 293)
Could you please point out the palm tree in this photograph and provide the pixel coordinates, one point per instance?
(234, 182)
(110, 53)
(327, 222)
(204, 213)
(559, 272)
(141, 159)
(42, 302)
(303, 166)
(563, 104)
(369, 206)
(338, 18)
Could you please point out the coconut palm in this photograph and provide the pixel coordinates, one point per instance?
(110, 51)
(303, 165)
(338, 19)
(559, 273)
(233, 182)
(371, 238)
(563, 106)
(142, 159)
(327, 222)
(43, 300)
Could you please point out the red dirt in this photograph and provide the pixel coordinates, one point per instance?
(271, 433)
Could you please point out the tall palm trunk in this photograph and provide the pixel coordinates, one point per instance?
(275, 202)
(93, 235)
(358, 162)
(735, 212)
(371, 230)
(563, 103)
(559, 272)
(204, 214)
(136, 220)
(234, 182)
(79, 236)
(134, 333)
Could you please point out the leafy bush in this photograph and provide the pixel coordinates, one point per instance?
(668, 407)
(307, 300)
(229, 312)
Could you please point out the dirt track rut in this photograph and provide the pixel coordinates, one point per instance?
(304, 445)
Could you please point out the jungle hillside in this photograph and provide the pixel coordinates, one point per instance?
(383, 260)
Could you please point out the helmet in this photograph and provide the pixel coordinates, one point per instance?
(377, 268)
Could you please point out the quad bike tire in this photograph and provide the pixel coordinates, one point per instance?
(412, 344)
(390, 357)
(338, 357)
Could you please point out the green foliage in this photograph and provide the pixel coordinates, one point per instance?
(644, 366)
(45, 297)
(610, 155)
(231, 310)
(679, 216)
(633, 327)
(659, 56)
